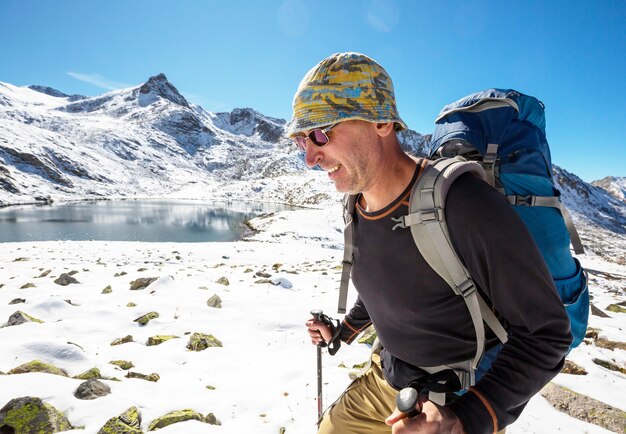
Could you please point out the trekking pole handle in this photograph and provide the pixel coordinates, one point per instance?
(317, 316)
(406, 401)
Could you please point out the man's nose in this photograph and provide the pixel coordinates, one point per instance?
(313, 154)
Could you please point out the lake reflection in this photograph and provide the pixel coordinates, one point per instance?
(136, 220)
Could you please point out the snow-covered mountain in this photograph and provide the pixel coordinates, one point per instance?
(616, 186)
(148, 140)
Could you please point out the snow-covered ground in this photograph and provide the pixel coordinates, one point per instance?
(264, 375)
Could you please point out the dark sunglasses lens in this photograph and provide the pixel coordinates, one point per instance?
(318, 137)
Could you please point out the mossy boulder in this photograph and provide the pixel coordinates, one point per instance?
(38, 366)
(142, 283)
(151, 377)
(175, 417)
(20, 317)
(159, 339)
(223, 281)
(145, 319)
(30, 415)
(124, 364)
(211, 419)
(65, 279)
(92, 389)
(201, 341)
(93, 373)
(17, 301)
(215, 301)
(616, 308)
(124, 340)
(128, 422)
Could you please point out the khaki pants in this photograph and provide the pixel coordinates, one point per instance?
(364, 406)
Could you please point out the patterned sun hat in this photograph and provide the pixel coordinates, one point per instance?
(342, 87)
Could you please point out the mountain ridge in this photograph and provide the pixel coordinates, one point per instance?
(148, 140)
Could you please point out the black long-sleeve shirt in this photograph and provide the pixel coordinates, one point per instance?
(421, 322)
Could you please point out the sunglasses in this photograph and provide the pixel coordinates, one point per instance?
(318, 136)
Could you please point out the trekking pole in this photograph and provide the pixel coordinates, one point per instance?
(317, 315)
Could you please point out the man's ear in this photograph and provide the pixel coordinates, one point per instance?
(385, 129)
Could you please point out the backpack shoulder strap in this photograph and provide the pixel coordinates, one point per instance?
(427, 222)
(349, 203)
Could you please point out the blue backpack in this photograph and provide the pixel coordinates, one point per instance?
(499, 135)
(504, 131)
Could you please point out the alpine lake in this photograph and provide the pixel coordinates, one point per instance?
(131, 220)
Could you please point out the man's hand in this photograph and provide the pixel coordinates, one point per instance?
(434, 419)
(318, 331)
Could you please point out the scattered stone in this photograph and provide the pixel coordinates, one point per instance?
(17, 301)
(130, 304)
(573, 369)
(107, 290)
(223, 281)
(276, 266)
(142, 283)
(38, 366)
(65, 279)
(151, 377)
(92, 374)
(262, 274)
(70, 303)
(145, 319)
(584, 408)
(20, 260)
(124, 340)
(201, 341)
(140, 270)
(261, 281)
(282, 430)
(123, 273)
(369, 336)
(28, 285)
(609, 365)
(215, 301)
(611, 345)
(159, 339)
(31, 415)
(92, 389)
(128, 422)
(248, 270)
(73, 272)
(175, 417)
(203, 287)
(212, 420)
(616, 308)
(20, 317)
(210, 387)
(124, 364)
(592, 333)
(44, 274)
(598, 312)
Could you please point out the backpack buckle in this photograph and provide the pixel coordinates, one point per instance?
(466, 288)
(400, 224)
(524, 200)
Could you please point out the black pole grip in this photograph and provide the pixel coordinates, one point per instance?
(317, 315)
(406, 401)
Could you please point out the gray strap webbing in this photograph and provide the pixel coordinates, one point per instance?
(554, 202)
(349, 202)
(489, 163)
(433, 241)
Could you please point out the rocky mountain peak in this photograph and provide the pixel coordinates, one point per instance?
(159, 85)
(53, 92)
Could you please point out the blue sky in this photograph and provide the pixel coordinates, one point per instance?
(236, 53)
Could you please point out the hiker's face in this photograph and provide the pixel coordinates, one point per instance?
(349, 157)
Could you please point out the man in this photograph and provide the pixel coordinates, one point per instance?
(345, 120)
